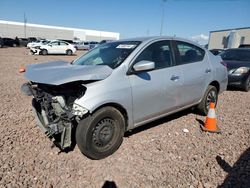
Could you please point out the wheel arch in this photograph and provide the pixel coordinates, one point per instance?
(119, 107)
(216, 85)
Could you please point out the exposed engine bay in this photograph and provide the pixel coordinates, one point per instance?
(55, 111)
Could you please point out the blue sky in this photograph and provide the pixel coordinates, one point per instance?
(132, 18)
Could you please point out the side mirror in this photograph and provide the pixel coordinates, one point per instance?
(144, 66)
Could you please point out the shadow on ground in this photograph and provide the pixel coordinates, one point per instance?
(239, 174)
(109, 184)
(141, 128)
(159, 122)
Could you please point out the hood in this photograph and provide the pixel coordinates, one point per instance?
(61, 72)
(232, 64)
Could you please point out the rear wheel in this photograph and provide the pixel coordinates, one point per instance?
(100, 134)
(211, 95)
(69, 52)
(44, 52)
(246, 85)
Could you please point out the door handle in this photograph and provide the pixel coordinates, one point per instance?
(175, 78)
(208, 71)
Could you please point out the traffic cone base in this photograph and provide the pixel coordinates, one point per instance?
(210, 123)
(209, 130)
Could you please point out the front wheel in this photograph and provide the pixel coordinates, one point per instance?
(100, 134)
(211, 95)
(44, 52)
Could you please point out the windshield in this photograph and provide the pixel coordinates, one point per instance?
(238, 55)
(111, 54)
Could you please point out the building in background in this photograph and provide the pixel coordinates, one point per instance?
(24, 30)
(230, 38)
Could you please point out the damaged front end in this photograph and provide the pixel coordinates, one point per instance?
(55, 111)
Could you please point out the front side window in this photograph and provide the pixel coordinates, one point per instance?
(111, 54)
(159, 53)
(189, 53)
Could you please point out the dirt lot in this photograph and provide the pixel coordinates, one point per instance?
(159, 154)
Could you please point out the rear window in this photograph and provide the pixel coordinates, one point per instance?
(189, 53)
(238, 55)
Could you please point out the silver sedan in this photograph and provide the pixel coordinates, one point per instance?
(121, 85)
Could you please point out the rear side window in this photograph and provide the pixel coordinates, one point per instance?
(158, 52)
(189, 53)
(55, 43)
(63, 43)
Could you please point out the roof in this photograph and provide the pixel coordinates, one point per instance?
(230, 29)
(149, 39)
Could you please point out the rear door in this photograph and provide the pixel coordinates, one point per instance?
(196, 71)
(158, 91)
(53, 47)
(63, 47)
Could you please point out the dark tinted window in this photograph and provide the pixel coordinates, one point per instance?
(158, 52)
(63, 43)
(189, 53)
(56, 43)
(236, 54)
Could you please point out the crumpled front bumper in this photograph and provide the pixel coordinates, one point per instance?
(35, 51)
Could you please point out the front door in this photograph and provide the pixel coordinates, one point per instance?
(158, 91)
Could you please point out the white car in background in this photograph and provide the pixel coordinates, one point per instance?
(54, 47)
(37, 43)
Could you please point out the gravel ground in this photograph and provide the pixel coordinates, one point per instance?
(159, 154)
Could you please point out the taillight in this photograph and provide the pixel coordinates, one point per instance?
(224, 63)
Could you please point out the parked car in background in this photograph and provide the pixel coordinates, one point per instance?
(23, 41)
(86, 45)
(119, 86)
(216, 51)
(68, 41)
(244, 46)
(238, 64)
(10, 42)
(1, 42)
(32, 39)
(105, 41)
(54, 47)
(37, 43)
(93, 44)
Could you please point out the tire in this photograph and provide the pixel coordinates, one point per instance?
(210, 94)
(69, 52)
(246, 85)
(100, 134)
(44, 52)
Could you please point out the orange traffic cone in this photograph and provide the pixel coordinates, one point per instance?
(22, 69)
(210, 123)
